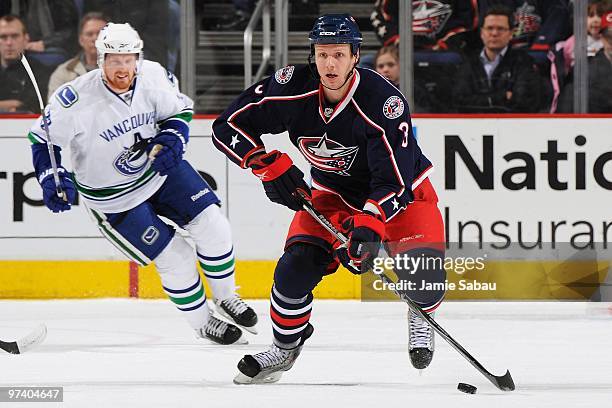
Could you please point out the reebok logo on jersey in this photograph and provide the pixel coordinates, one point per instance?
(199, 194)
(328, 155)
(393, 107)
(412, 237)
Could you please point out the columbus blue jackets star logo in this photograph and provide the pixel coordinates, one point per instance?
(328, 155)
(429, 17)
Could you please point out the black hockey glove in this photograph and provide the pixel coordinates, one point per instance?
(281, 179)
(365, 233)
(171, 152)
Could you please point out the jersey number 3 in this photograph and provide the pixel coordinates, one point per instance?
(404, 127)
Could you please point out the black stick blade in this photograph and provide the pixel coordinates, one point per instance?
(504, 382)
(9, 346)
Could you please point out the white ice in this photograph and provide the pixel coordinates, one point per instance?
(137, 353)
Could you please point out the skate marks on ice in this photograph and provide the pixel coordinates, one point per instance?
(142, 349)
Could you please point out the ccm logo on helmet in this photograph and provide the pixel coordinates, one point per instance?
(327, 33)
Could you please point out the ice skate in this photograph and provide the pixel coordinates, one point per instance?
(221, 332)
(420, 341)
(268, 366)
(235, 309)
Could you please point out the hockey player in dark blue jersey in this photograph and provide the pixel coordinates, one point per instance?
(369, 177)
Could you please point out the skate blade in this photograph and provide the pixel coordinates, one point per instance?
(228, 318)
(241, 341)
(242, 379)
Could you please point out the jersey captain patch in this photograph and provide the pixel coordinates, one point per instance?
(284, 75)
(67, 96)
(328, 155)
(393, 107)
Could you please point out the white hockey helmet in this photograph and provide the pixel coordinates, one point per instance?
(118, 39)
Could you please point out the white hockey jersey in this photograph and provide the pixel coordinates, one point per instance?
(107, 135)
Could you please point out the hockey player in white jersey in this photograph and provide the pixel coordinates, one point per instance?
(111, 119)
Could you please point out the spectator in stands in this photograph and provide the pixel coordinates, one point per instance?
(386, 63)
(439, 25)
(86, 59)
(149, 17)
(562, 57)
(444, 25)
(538, 24)
(600, 71)
(52, 29)
(16, 92)
(596, 9)
(499, 78)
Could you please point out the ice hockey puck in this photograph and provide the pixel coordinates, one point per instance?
(467, 388)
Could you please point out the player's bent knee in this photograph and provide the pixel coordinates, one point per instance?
(177, 259)
(424, 269)
(300, 269)
(210, 226)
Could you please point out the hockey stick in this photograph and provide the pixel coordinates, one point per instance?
(58, 188)
(156, 148)
(504, 382)
(25, 343)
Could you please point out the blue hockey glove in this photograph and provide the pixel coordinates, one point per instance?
(171, 152)
(50, 198)
(365, 233)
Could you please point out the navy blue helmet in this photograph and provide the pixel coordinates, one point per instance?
(336, 29)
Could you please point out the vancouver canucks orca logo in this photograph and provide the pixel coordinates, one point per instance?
(328, 155)
(133, 159)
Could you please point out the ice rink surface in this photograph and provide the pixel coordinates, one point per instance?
(136, 353)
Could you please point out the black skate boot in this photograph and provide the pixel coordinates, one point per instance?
(420, 341)
(221, 332)
(268, 366)
(238, 311)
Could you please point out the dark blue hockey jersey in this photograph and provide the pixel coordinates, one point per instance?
(363, 149)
